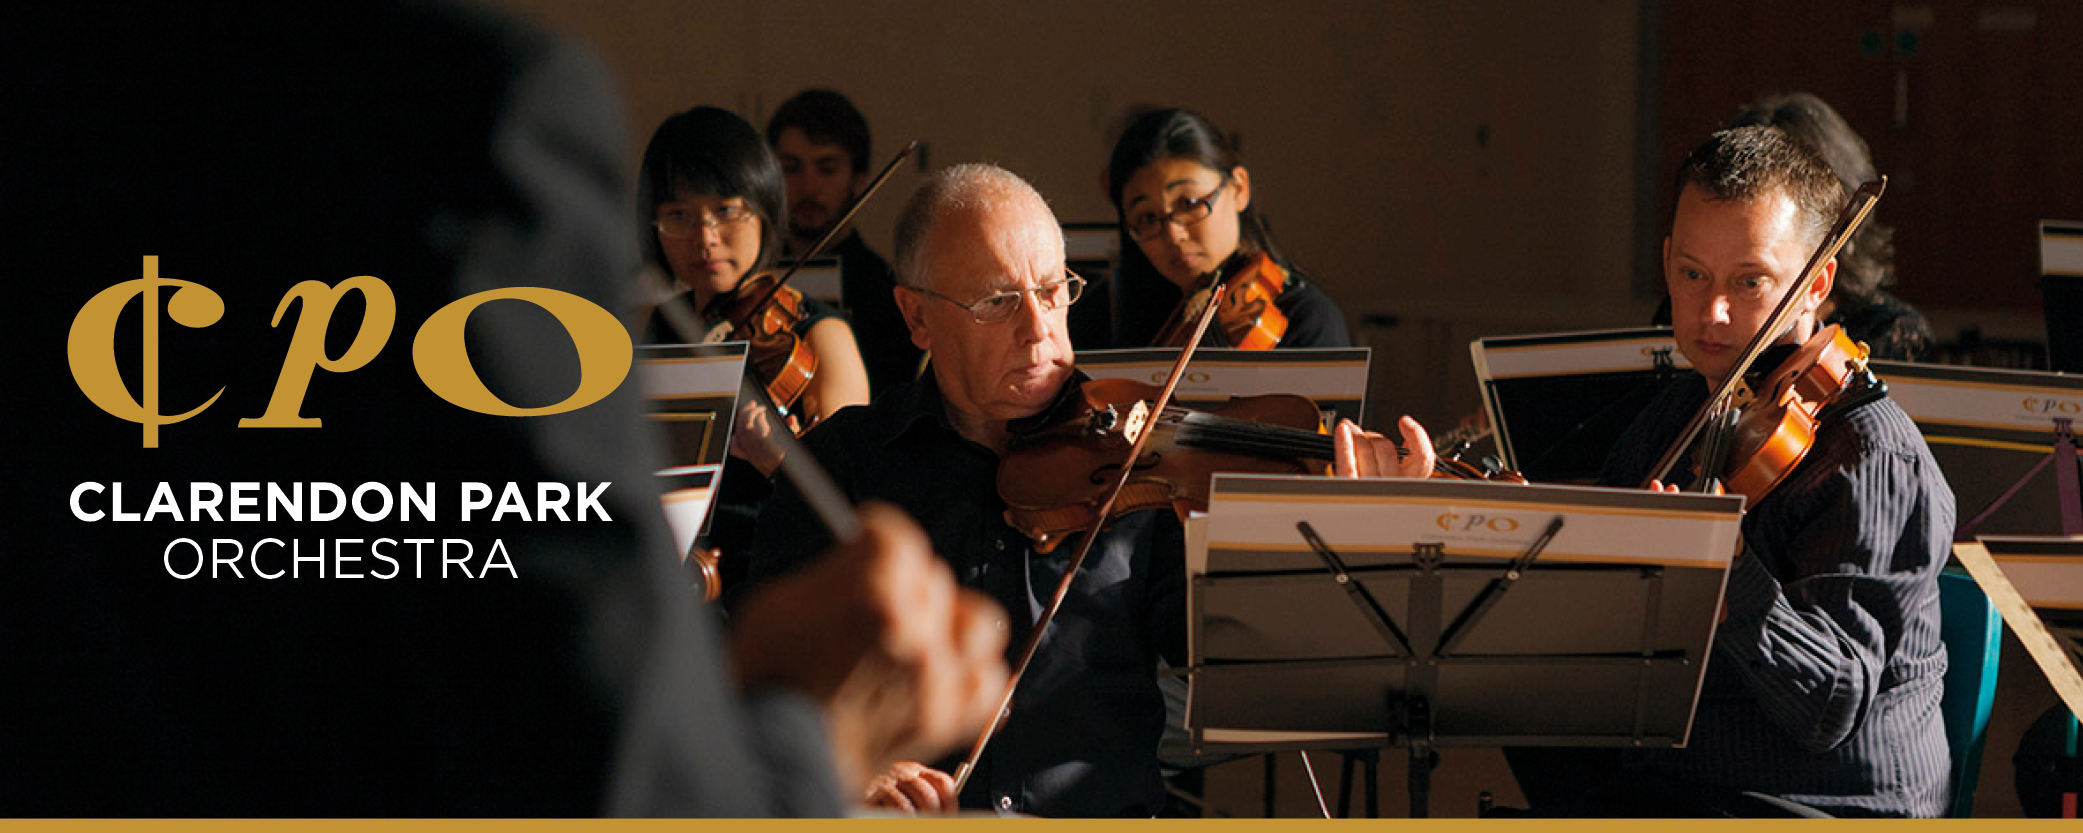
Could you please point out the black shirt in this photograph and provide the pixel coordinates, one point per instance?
(867, 286)
(1083, 732)
(1313, 319)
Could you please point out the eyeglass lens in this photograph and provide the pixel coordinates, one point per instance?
(998, 307)
(1191, 210)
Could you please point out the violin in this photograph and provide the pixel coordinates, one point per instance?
(1054, 477)
(1246, 315)
(1101, 447)
(1775, 431)
(1772, 433)
(764, 311)
(765, 314)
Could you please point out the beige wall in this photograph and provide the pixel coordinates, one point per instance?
(1467, 167)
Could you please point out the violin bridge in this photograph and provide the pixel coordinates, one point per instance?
(1138, 418)
(1742, 396)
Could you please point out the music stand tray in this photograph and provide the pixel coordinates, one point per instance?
(1330, 613)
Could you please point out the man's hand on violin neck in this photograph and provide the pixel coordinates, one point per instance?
(1361, 453)
(905, 663)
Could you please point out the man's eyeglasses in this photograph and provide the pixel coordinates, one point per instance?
(1190, 210)
(682, 224)
(997, 307)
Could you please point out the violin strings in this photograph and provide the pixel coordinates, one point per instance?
(1278, 439)
(1247, 442)
(1244, 436)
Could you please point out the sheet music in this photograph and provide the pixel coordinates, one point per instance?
(693, 394)
(687, 492)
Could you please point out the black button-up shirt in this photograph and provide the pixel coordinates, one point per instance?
(1824, 682)
(1082, 735)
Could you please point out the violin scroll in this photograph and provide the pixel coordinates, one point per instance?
(1455, 468)
(704, 561)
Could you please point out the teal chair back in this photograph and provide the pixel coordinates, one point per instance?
(1973, 633)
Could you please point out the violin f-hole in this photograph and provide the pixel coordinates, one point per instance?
(1106, 474)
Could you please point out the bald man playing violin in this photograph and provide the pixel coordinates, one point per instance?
(1822, 690)
(983, 287)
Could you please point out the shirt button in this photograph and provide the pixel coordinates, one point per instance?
(1001, 548)
(1005, 803)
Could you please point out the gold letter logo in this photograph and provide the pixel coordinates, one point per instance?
(307, 345)
(90, 348)
(604, 351)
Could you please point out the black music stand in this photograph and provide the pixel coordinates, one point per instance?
(1424, 649)
(1560, 401)
(693, 392)
(1995, 433)
(2068, 495)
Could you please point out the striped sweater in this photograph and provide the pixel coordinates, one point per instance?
(1824, 682)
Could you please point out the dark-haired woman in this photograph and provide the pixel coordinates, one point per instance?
(713, 210)
(1184, 202)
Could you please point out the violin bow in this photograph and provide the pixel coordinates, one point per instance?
(1848, 220)
(840, 224)
(1106, 508)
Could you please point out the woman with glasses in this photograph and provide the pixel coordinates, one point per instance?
(1184, 201)
(711, 201)
(711, 204)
